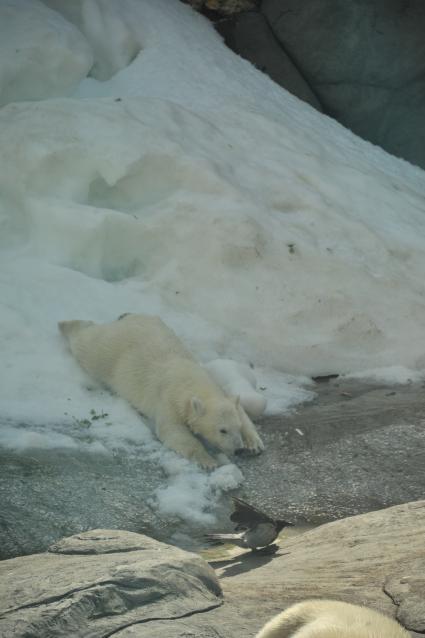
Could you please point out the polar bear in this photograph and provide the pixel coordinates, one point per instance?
(139, 358)
(331, 619)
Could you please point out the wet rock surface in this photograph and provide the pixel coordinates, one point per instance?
(357, 447)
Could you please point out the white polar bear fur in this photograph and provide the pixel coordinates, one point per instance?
(331, 619)
(237, 379)
(143, 361)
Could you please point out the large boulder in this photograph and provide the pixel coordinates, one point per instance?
(107, 582)
(98, 582)
(375, 559)
(365, 61)
(251, 36)
(362, 62)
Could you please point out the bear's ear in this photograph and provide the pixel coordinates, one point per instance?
(196, 408)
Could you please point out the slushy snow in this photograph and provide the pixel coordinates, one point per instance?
(176, 179)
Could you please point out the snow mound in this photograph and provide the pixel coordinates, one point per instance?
(307, 265)
(41, 54)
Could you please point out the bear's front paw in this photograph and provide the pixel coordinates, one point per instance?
(253, 443)
(203, 459)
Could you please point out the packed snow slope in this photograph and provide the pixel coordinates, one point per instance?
(167, 175)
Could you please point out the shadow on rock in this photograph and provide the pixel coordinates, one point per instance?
(245, 562)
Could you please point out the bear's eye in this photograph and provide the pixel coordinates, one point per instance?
(223, 431)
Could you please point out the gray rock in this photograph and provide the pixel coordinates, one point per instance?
(408, 593)
(46, 496)
(119, 580)
(130, 586)
(354, 560)
(356, 448)
(250, 35)
(357, 560)
(365, 61)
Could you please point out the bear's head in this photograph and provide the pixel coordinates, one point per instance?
(217, 421)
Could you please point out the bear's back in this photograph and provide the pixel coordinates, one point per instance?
(150, 334)
(331, 619)
(102, 348)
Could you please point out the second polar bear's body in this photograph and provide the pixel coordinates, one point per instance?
(331, 619)
(143, 361)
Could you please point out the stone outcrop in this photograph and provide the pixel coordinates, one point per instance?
(251, 36)
(105, 583)
(365, 61)
(99, 582)
(362, 62)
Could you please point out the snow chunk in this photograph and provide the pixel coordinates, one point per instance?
(237, 379)
(41, 54)
(191, 495)
(112, 29)
(283, 392)
(112, 37)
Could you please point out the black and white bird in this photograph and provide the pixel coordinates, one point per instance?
(254, 528)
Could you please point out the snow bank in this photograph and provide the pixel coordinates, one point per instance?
(181, 181)
(41, 54)
(305, 264)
